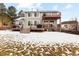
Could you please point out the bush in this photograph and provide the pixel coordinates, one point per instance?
(71, 32)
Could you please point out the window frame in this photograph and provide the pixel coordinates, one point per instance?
(29, 14)
(29, 23)
(35, 23)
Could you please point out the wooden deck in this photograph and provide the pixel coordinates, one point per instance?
(15, 29)
(37, 29)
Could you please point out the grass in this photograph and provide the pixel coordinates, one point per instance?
(36, 49)
(10, 47)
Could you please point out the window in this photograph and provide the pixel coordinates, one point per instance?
(29, 14)
(39, 26)
(35, 22)
(44, 14)
(65, 26)
(45, 21)
(29, 23)
(52, 21)
(35, 14)
(22, 15)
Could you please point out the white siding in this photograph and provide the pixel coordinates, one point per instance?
(38, 18)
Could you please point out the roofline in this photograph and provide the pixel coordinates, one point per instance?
(43, 11)
(65, 22)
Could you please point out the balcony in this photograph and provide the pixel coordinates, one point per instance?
(51, 17)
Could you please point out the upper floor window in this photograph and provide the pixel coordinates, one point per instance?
(44, 14)
(35, 14)
(29, 14)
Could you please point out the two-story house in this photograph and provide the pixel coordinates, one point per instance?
(48, 19)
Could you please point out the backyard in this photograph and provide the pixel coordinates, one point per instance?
(38, 44)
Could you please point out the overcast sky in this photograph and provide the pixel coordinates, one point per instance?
(68, 10)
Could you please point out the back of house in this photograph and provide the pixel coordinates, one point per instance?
(40, 20)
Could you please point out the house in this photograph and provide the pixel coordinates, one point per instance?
(39, 20)
(69, 25)
(78, 27)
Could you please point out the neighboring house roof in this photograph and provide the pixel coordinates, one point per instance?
(69, 22)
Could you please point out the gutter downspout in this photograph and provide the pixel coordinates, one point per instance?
(60, 22)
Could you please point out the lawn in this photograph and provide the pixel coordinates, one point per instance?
(38, 44)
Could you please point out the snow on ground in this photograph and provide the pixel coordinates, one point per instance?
(41, 36)
(51, 37)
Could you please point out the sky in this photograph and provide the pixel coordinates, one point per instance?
(68, 10)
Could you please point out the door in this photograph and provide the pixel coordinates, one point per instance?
(48, 27)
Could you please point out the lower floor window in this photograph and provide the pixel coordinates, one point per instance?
(35, 22)
(52, 21)
(29, 23)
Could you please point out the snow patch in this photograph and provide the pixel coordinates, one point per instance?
(42, 37)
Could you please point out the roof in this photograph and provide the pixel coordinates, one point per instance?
(44, 11)
(20, 18)
(68, 22)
